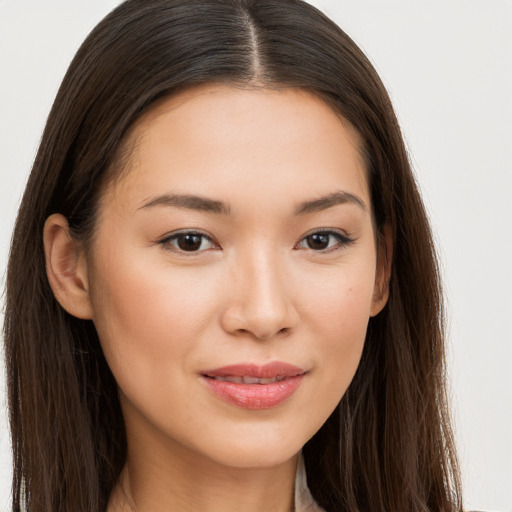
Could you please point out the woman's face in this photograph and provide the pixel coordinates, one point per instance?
(233, 273)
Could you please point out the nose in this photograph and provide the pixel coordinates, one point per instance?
(260, 302)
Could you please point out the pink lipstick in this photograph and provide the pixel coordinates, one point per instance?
(251, 386)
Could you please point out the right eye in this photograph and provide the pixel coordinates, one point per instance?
(323, 241)
(188, 242)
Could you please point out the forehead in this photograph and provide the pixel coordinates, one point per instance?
(211, 136)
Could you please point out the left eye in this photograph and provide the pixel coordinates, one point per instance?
(323, 241)
(188, 242)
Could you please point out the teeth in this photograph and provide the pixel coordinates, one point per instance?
(251, 380)
(236, 380)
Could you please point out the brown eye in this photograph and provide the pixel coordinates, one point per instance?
(320, 241)
(188, 241)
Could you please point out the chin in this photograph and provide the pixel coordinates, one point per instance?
(262, 449)
(255, 458)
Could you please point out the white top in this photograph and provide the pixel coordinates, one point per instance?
(304, 502)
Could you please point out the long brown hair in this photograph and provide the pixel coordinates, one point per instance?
(388, 446)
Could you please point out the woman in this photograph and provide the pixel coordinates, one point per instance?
(222, 277)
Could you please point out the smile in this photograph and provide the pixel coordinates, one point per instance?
(254, 387)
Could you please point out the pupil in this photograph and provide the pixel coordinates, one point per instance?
(318, 241)
(189, 242)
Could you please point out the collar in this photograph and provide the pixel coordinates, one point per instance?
(304, 502)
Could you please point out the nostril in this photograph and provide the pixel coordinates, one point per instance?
(265, 336)
(258, 320)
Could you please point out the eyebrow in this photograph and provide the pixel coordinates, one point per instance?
(325, 202)
(204, 204)
(190, 202)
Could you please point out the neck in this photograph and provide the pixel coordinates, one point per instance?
(178, 479)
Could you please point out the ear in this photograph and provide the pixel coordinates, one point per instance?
(383, 271)
(66, 267)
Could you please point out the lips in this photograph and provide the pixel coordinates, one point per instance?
(251, 386)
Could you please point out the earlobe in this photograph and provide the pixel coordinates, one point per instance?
(66, 267)
(383, 272)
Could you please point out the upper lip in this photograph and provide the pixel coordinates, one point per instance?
(265, 371)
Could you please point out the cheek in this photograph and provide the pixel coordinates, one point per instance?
(338, 318)
(339, 300)
(146, 316)
(344, 315)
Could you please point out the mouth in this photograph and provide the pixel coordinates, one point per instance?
(250, 386)
(246, 379)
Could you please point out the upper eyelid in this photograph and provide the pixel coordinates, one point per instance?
(192, 231)
(198, 231)
(324, 230)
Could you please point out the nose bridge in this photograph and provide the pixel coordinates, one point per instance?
(260, 303)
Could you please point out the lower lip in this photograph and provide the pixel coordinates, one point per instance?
(254, 396)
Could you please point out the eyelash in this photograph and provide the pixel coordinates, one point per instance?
(342, 241)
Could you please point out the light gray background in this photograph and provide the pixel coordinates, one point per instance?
(448, 67)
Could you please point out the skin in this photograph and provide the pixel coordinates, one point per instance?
(256, 290)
